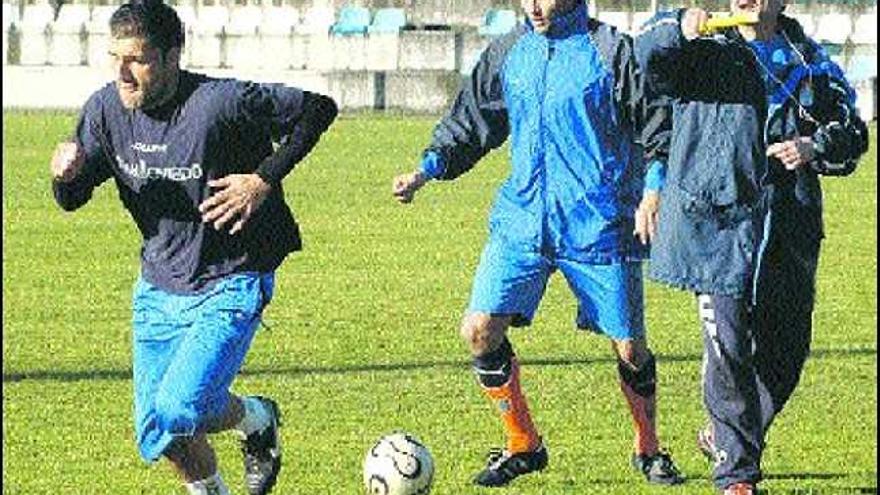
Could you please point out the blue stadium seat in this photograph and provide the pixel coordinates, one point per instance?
(352, 20)
(497, 22)
(388, 21)
(861, 68)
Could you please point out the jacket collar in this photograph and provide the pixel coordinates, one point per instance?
(566, 24)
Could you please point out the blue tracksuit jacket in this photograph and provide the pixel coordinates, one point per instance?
(570, 101)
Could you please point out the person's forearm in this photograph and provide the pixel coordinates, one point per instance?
(318, 113)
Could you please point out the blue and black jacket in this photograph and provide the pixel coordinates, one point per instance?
(723, 201)
(570, 101)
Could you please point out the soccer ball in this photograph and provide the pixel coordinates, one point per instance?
(398, 464)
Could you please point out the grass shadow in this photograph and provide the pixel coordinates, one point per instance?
(125, 374)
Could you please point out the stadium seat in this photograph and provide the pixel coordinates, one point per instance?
(352, 20)
(861, 68)
(34, 34)
(276, 29)
(383, 51)
(317, 20)
(207, 39)
(10, 19)
(211, 19)
(497, 22)
(806, 21)
(865, 29)
(427, 50)
(242, 42)
(67, 45)
(10, 16)
(387, 21)
(833, 28)
(98, 32)
(187, 14)
(620, 20)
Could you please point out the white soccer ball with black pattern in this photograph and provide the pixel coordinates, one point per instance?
(398, 464)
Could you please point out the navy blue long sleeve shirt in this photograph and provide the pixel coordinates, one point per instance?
(162, 159)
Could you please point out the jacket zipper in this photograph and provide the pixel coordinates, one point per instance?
(545, 228)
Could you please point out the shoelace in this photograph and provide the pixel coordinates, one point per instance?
(495, 458)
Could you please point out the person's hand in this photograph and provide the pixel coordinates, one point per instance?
(646, 217)
(793, 153)
(405, 186)
(236, 196)
(692, 22)
(67, 161)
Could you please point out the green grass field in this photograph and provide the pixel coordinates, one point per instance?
(364, 338)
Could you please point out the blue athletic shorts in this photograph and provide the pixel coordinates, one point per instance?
(512, 281)
(186, 351)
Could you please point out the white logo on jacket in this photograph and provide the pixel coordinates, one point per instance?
(140, 170)
(149, 148)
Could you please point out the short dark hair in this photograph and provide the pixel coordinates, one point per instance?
(149, 19)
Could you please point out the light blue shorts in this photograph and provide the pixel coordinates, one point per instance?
(512, 281)
(186, 351)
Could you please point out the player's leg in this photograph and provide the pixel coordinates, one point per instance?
(194, 395)
(195, 462)
(783, 323)
(637, 375)
(611, 302)
(507, 288)
(730, 392)
(157, 336)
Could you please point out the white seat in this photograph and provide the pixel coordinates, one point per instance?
(317, 20)
(211, 19)
(834, 28)
(278, 20)
(865, 29)
(98, 31)
(206, 44)
(244, 20)
(187, 15)
(242, 42)
(10, 16)
(8, 22)
(99, 22)
(620, 20)
(36, 17)
(67, 45)
(34, 34)
(72, 18)
(276, 38)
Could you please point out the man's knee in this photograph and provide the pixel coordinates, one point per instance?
(483, 333)
(632, 352)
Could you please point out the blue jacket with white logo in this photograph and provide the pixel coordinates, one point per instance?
(570, 101)
(723, 201)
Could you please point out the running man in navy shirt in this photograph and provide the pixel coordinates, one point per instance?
(194, 164)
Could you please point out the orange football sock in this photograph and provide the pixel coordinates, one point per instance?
(521, 433)
(643, 413)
